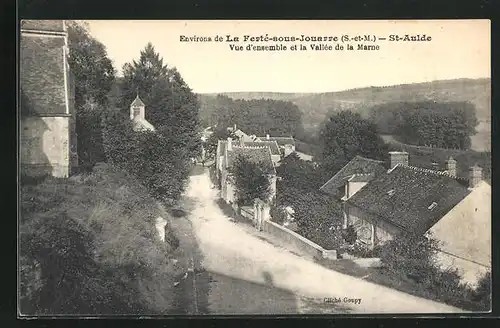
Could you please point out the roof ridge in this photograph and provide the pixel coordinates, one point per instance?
(362, 174)
(369, 159)
(250, 147)
(433, 172)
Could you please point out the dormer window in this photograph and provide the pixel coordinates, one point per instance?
(432, 206)
(390, 192)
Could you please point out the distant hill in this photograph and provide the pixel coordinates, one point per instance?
(317, 106)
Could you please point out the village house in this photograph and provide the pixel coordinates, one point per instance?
(138, 116)
(242, 136)
(360, 167)
(48, 143)
(286, 144)
(411, 200)
(276, 154)
(227, 152)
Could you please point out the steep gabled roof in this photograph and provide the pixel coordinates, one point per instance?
(137, 102)
(413, 199)
(358, 165)
(273, 145)
(254, 154)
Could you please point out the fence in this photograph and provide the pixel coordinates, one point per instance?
(247, 213)
(297, 242)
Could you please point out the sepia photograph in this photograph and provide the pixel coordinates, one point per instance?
(254, 167)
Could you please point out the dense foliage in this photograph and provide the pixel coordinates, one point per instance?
(88, 245)
(444, 125)
(412, 259)
(88, 242)
(171, 106)
(299, 174)
(157, 161)
(258, 117)
(345, 135)
(251, 181)
(93, 77)
(318, 216)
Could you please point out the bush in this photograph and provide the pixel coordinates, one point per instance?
(277, 214)
(159, 162)
(411, 259)
(350, 235)
(90, 143)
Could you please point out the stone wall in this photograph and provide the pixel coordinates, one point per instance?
(294, 241)
(45, 146)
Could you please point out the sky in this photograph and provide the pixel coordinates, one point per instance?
(458, 49)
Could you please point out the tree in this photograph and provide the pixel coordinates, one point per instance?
(93, 71)
(256, 116)
(440, 124)
(297, 173)
(171, 105)
(482, 293)
(345, 135)
(319, 218)
(250, 179)
(212, 141)
(410, 256)
(93, 76)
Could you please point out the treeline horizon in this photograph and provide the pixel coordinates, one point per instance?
(427, 123)
(420, 123)
(256, 116)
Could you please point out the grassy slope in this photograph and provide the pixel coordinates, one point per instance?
(120, 216)
(317, 106)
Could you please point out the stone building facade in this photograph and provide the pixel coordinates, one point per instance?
(46, 99)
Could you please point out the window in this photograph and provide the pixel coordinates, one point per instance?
(432, 206)
(137, 111)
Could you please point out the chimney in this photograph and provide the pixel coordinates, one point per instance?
(451, 166)
(398, 157)
(229, 144)
(267, 136)
(475, 176)
(234, 127)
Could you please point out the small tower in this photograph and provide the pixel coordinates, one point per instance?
(451, 166)
(138, 116)
(137, 109)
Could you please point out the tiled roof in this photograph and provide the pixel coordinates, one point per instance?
(253, 154)
(410, 198)
(280, 140)
(43, 25)
(137, 102)
(42, 74)
(361, 177)
(358, 165)
(275, 150)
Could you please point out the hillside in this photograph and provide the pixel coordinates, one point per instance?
(94, 236)
(316, 106)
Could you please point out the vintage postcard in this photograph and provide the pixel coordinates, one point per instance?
(254, 167)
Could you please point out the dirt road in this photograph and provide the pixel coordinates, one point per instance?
(250, 275)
